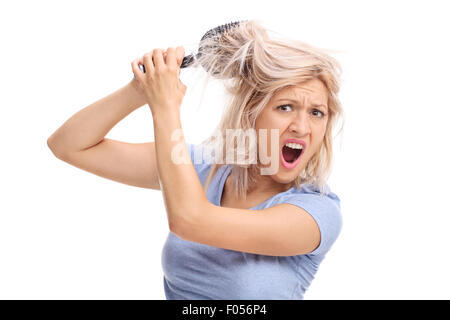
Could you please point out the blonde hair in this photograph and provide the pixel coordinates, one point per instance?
(254, 67)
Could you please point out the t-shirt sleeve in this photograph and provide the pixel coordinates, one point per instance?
(325, 210)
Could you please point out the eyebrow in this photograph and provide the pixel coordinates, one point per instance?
(297, 102)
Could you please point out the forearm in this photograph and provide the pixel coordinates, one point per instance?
(182, 191)
(90, 125)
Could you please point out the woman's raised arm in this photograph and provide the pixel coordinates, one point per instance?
(89, 126)
(81, 141)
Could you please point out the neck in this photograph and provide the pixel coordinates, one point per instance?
(266, 185)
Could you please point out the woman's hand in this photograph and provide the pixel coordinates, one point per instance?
(160, 83)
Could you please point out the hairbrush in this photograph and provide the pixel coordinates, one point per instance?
(214, 34)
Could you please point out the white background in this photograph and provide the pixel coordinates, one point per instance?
(68, 234)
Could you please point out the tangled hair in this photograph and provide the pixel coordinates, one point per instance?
(253, 68)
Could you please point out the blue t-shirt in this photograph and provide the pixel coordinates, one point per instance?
(197, 271)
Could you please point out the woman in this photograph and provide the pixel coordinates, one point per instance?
(254, 228)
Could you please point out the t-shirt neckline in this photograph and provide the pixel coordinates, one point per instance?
(223, 179)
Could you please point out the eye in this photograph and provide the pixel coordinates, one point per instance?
(321, 113)
(284, 105)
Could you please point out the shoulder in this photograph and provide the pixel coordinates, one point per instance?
(325, 209)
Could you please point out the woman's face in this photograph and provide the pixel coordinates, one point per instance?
(300, 113)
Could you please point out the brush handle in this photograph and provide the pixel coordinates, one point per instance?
(187, 61)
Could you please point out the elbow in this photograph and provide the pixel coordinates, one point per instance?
(53, 149)
(50, 145)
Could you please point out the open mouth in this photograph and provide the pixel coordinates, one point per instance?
(290, 154)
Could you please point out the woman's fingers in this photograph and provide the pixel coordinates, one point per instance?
(158, 59)
(137, 72)
(171, 59)
(148, 62)
(179, 53)
(141, 64)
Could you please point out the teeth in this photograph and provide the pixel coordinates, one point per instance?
(294, 145)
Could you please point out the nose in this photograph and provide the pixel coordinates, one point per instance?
(300, 125)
